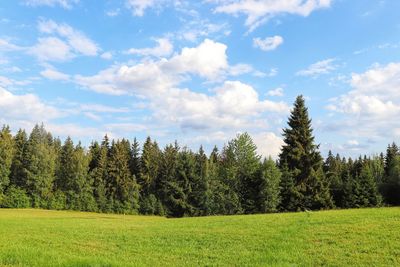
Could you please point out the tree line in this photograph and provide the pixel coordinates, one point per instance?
(117, 176)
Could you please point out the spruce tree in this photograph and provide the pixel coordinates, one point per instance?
(269, 190)
(40, 159)
(122, 188)
(248, 164)
(303, 160)
(6, 156)
(18, 175)
(98, 174)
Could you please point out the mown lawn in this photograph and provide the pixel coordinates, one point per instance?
(365, 237)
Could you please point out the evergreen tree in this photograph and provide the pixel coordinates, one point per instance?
(122, 187)
(40, 158)
(98, 173)
(303, 159)
(6, 156)
(200, 184)
(333, 172)
(149, 172)
(135, 158)
(248, 165)
(18, 174)
(269, 190)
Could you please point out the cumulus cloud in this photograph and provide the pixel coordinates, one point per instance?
(268, 144)
(30, 107)
(67, 4)
(373, 102)
(260, 11)
(269, 43)
(318, 68)
(232, 105)
(164, 48)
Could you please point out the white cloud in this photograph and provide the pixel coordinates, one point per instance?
(233, 105)
(51, 49)
(138, 7)
(269, 43)
(67, 4)
(258, 12)
(208, 60)
(106, 55)
(268, 144)
(5, 45)
(53, 74)
(372, 104)
(276, 92)
(27, 107)
(318, 68)
(164, 48)
(78, 41)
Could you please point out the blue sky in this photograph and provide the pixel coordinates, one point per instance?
(203, 71)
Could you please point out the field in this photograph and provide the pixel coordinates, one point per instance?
(332, 238)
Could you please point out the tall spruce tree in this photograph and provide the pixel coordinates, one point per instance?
(98, 173)
(40, 159)
(301, 156)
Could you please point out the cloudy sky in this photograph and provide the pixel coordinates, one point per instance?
(203, 71)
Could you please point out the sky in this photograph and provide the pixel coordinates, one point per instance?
(201, 72)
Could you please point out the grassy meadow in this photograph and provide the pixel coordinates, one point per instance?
(364, 237)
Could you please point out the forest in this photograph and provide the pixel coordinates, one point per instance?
(119, 176)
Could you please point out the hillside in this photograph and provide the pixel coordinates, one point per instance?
(338, 237)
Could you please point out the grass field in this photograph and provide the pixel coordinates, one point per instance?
(332, 238)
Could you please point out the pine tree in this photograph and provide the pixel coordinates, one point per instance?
(150, 162)
(122, 187)
(248, 164)
(200, 184)
(333, 172)
(6, 156)
(135, 158)
(229, 183)
(18, 174)
(98, 174)
(302, 158)
(40, 158)
(269, 190)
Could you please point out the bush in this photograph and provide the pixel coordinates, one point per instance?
(15, 198)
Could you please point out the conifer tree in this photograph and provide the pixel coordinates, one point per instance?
(303, 159)
(269, 191)
(40, 158)
(122, 187)
(98, 174)
(6, 156)
(18, 175)
(200, 184)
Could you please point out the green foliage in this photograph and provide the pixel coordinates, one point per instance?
(6, 156)
(18, 174)
(269, 190)
(301, 156)
(15, 197)
(40, 159)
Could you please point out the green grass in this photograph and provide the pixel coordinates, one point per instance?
(365, 237)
